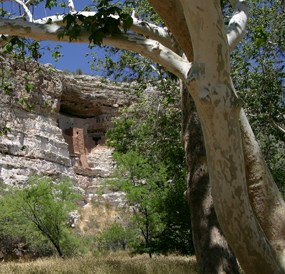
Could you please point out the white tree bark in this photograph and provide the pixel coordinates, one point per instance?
(71, 6)
(147, 29)
(211, 88)
(237, 25)
(172, 14)
(26, 9)
(266, 200)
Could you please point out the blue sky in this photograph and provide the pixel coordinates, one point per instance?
(74, 54)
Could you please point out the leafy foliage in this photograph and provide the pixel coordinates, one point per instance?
(142, 183)
(149, 155)
(39, 212)
(116, 237)
(259, 75)
(21, 48)
(150, 169)
(102, 24)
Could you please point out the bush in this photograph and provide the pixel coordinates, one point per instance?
(115, 237)
(39, 213)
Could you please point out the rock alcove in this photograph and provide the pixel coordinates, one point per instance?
(87, 107)
(63, 133)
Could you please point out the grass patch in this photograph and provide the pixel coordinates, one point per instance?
(110, 264)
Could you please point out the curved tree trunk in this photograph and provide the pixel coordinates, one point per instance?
(212, 251)
(170, 10)
(218, 107)
(228, 181)
(211, 248)
(266, 200)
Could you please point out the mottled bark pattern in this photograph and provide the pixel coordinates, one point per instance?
(212, 251)
(265, 198)
(218, 108)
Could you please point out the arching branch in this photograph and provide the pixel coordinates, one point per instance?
(147, 47)
(147, 29)
(237, 25)
(280, 128)
(26, 9)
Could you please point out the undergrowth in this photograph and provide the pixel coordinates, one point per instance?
(114, 263)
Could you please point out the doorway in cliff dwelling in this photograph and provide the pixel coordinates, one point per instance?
(95, 137)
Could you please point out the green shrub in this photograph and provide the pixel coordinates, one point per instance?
(39, 213)
(115, 237)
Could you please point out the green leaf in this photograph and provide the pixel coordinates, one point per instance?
(127, 21)
(69, 19)
(4, 131)
(29, 87)
(97, 37)
(51, 3)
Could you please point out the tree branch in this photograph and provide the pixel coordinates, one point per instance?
(172, 14)
(147, 47)
(237, 25)
(153, 50)
(29, 2)
(71, 6)
(141, 27)
(154, 32)
(280, 128)
(26, 9)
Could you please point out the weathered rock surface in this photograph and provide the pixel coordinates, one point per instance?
(86, 96)
(56, 123)
(30, 100)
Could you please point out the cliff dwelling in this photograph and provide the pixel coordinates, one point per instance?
(86, 111)
(84, 136)
(64, 132)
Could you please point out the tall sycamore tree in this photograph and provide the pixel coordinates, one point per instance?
(195, 47)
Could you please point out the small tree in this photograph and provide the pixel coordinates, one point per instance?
(145, 188)
(42, 207)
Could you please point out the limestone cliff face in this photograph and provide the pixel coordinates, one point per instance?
(30, 101)
(56, 123)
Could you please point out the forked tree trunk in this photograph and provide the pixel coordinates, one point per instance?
(218, 107)
(211, 248)
(264, 198)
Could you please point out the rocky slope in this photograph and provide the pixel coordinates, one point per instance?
(55, 123)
